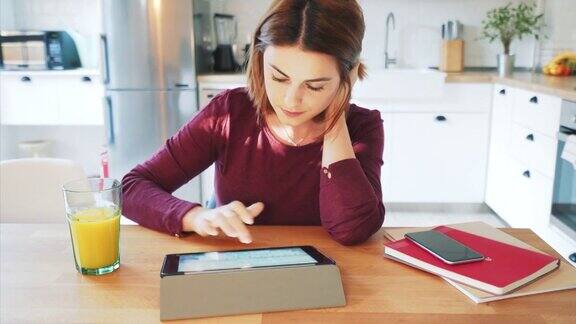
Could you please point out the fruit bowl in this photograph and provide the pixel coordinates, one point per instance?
(564, 64)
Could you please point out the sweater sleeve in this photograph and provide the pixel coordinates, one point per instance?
(147, 189)
(351, 207)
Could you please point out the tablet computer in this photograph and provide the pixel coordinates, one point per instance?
(237, 260)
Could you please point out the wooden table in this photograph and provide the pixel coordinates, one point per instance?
(40, 284)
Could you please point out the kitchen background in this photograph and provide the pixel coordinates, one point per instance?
(414, 42)
(455, 171)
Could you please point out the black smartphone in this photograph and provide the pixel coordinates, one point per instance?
(444, 247)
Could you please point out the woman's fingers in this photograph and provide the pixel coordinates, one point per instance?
(210, 229)
(241, 230)
(247, 214)
(221, 221)
(242, 211)
(231, 219)
(255, 209)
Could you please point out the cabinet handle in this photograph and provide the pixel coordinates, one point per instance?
(534, 100)
(526, 174)
(210, 96)
(86, 79)
(182, 85)
(25, 79)
(109, 112)
(502, 91)
(440, 118)
(530, 137)
(105, 67)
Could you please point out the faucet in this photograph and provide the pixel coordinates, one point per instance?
(387, 59)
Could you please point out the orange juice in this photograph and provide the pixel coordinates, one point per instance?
(95, 236)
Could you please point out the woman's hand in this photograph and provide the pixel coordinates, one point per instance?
(231, 219)
(341, 123)
(337, 143)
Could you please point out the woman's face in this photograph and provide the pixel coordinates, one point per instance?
(299, 84)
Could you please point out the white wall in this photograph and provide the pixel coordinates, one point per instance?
(416, 39)
(560, 18)
(6, 14)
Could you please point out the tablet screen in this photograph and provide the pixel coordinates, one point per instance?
(244, 259)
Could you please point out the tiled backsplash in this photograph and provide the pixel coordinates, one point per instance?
(561, 28)
(415, 41)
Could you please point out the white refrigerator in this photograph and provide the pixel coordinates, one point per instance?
(147, 51)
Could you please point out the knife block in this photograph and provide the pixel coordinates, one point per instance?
(452, 55)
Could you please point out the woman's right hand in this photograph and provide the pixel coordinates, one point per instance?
(230, 219)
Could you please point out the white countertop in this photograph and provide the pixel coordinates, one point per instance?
(51, 72)
(223, 78)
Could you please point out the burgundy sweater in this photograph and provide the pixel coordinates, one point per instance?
(252, 165)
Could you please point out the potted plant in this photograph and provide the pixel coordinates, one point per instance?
(507, 23)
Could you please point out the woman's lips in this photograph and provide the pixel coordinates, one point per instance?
(292, 113)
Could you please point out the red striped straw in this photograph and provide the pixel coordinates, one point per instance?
(104, 162)
(105, 170)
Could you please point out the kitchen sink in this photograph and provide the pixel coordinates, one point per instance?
(400, 83)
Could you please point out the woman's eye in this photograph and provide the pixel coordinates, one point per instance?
(307, 85)
(278, 79)
(315, 88)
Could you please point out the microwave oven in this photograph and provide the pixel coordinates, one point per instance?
(53, 50)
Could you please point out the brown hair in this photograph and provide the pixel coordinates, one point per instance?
(332, 27)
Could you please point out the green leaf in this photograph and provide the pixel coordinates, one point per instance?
(508, 22)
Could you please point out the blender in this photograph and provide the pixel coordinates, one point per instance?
(225, 27)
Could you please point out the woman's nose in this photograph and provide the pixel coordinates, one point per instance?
(293, 97)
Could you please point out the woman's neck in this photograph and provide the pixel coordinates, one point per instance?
(295, 135)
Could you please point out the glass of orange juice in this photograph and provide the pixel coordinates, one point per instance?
(93, 207)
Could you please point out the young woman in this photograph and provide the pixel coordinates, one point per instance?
(289, 149)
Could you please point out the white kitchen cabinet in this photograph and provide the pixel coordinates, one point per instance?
(437, 157)
(28, 99)
(498, 177)
(529, 195)
(522, 155)
(537, 111)
(80, 100)
(534, 149)
(51, 98)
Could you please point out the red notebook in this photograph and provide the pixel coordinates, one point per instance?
(505, 267)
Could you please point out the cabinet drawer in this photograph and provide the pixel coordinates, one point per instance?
(535, 150)
(28, 99)
(530, 196)
(437, 157)
(501, 119)
(501, 91)
(81, 100)
(537, 111)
